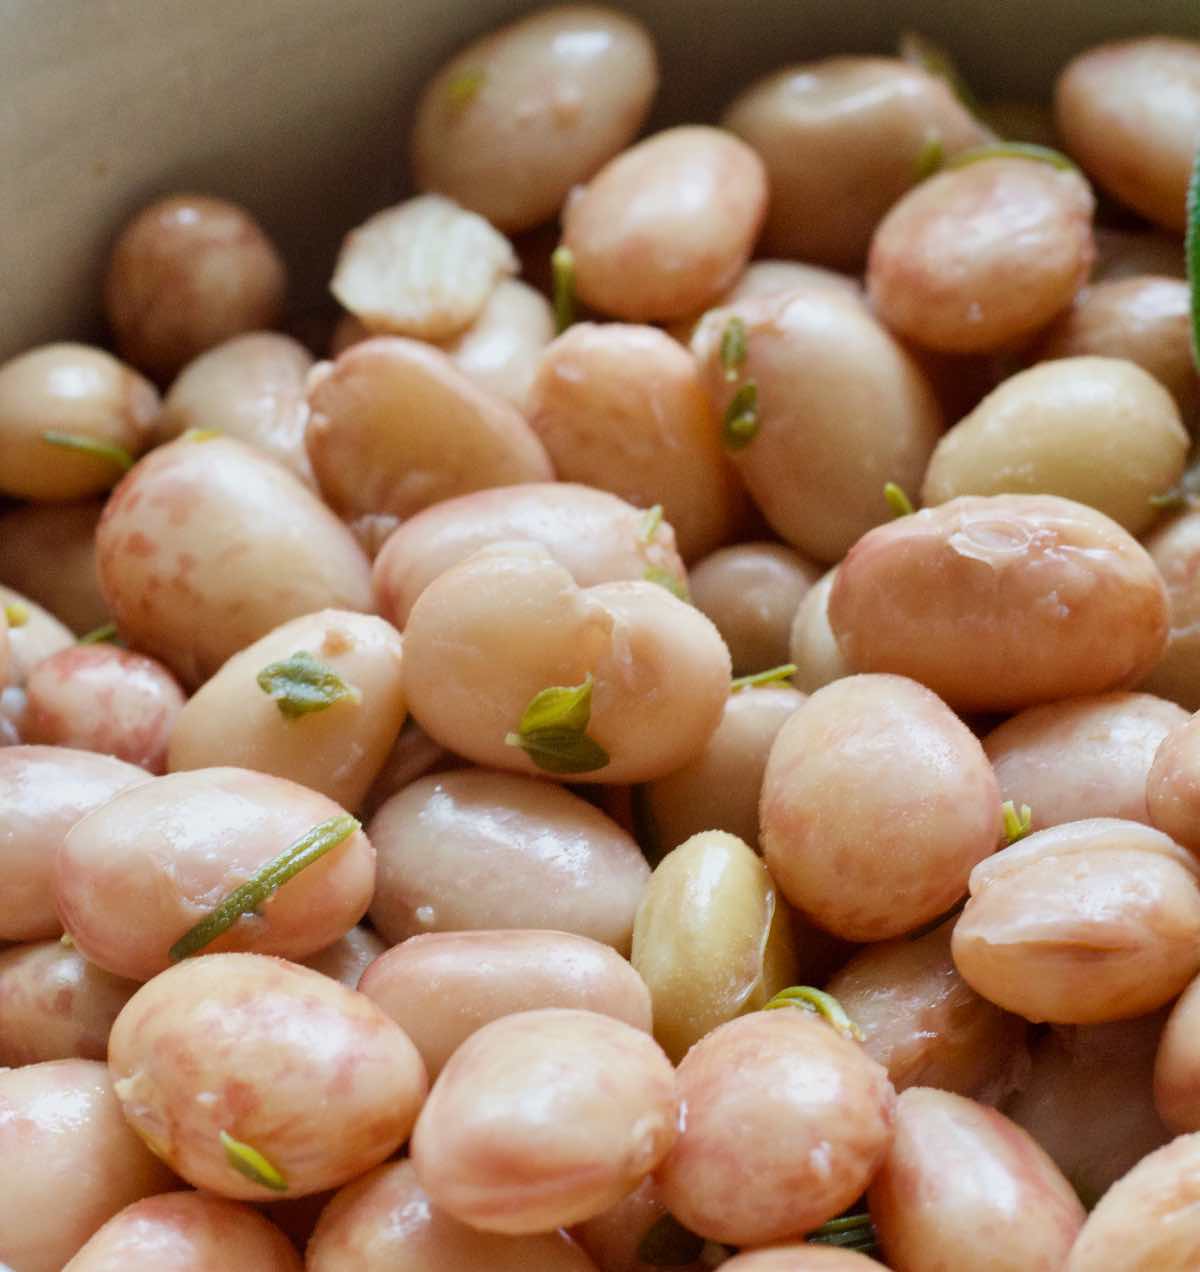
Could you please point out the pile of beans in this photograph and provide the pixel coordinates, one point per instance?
(512, 785)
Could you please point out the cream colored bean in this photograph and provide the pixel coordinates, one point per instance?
(1145, 319)
(337, 749)
(473, 850)
(1077, 1071)
(372, 445)
(623, 408)
(1175, 551)
(870, 860)
(924, 1023)
(1100, 431)
(668, 225)
(492, 632)
(139, 873)
(1129, 111)
(712, 939)
(957, 598)
(751, 592)
(310, 1074)
(250, 387)
(44, 791)
(598, 537)
(105, 699)
(385, 1219)
(841, 409)
(55, 1005)
(425, 267)
(1092, 921)
(443, 987)
(842, 140)
(1149, 1221)
(175, 562)
(1173, 785)
(812, 647)
(33, 634)
(612, 1239)
(186, 273)
(186, 1232)
(800, 1258)
(979, 257)
(786, 1123)
(545, 1118)
(78, 392)
(963, 1187)
(1131, 253)
(1087, 757)
(516, 119)
(68, 1162)
(1177, 1064)
(48, 553)
(348, 957)
(720, 788)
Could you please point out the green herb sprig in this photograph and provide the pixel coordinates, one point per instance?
(780, 675)
(248, 1161)
(115, 455)
(819, 1003)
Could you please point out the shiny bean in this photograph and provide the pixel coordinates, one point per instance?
(1173, 785)
(33, 634)
(1177, 1065)
(414, 753)
(800, 1258)
(1175, 550)
(48, 553)
(348, 957)
(812, 647)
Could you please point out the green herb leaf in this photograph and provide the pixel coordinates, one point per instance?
(552, 730)
(100, 635)
(248, 1161)
(931, 156)
(733, 347)
(921, 51)
(562, 267)
(1016, 824)
(819, 1003)
(16, 613)
(668, 1244)
(741, 417)
(302, 684)
(651, 520)
(772, 676)
(117, 455)
(464, 85)
(850, 1232)
(664, 578)
(1011, 150)
(900, 504)
(1192, 252)
(264, 883)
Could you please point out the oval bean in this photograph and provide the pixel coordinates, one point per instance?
(1175, 550)
(801, 1258)
(1177, 1064)
(348, 957)
(33, 634)
(812, 647)
(1172, 789)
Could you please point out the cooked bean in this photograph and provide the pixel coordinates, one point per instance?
(800, 1258)
(443, 987)
(598, 537)
(786, 1123)
(473, 850)
(720, 788)
(326, 720)
(186, 273)
(924, 1023)
(665, 227)
(48, 553)
(1044, 430)
(751, 592)
(71, 420)
(371, 442)
(1078, 1071)
(980, 256)
(68, 1162)
(517, 118)
(414, 753)
(1091, 921)
(494, 631)
(1175, 551)
(186, 1232)
(175, 563)
(1003, 602)
(44, 791)
(1086, 757)
(1129, 111)
(842, 140)
(384, 1219)
(1148, 1221)
(1177, 1066)
(1172, 788)
(251, 387)
(839, 410)
(866, 860)
(348, 957)
(812, 648)
(612, 1239)
(55, 1005)
(963, 1187)
(1130, 253)
(712, 939)
(309, 1076)
(622, 408)
(33, 634)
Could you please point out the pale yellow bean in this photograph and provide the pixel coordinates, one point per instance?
(1173, 785)
(1175, 550)
(979, 257)
(337, 749)
(1177, 1065)
(668, 225)
(48, 553)
(33, 633)
(1100, 431)
(842, 140)
(517, 118)
(812, 647)
(997, 603)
